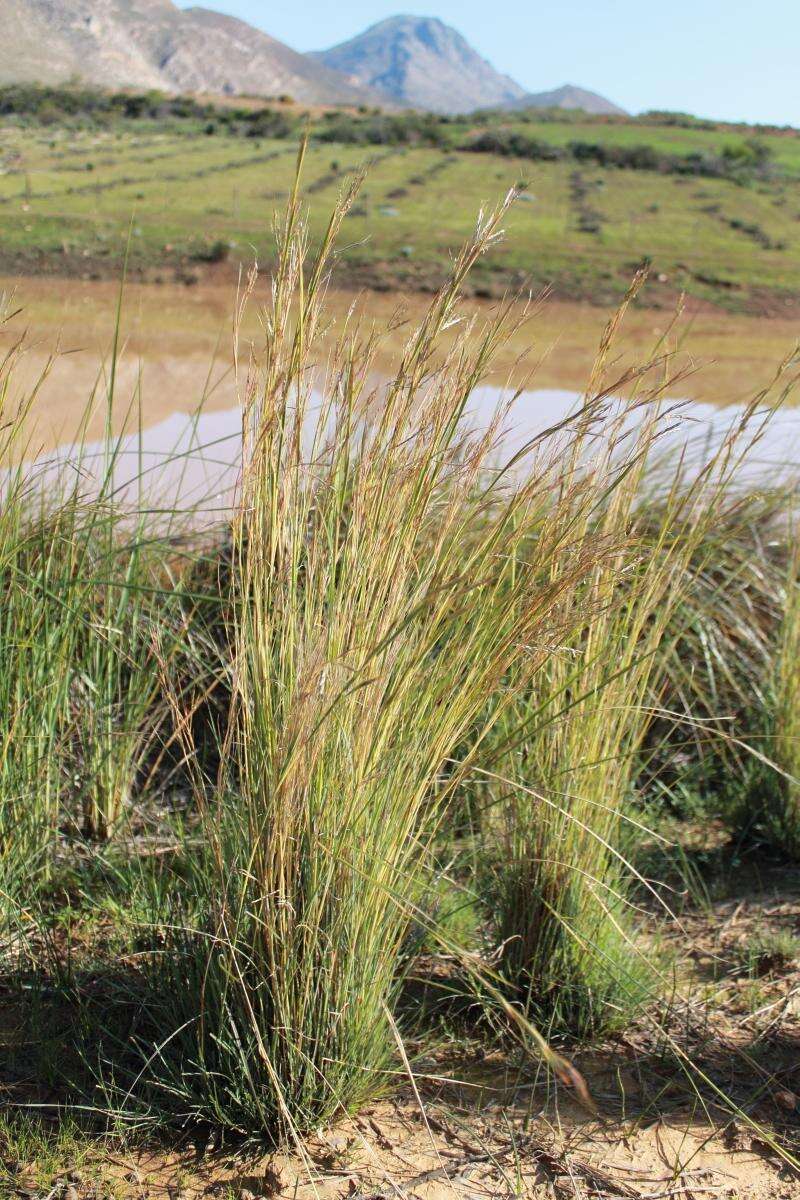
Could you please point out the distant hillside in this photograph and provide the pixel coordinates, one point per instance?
(154, 44)
(422, 63)
(567, 96)
(712, 207)
(415, 62)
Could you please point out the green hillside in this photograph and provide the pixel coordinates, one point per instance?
(715, 209)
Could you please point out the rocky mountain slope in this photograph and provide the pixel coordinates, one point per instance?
(153, 43)
(422, 63)
(567, 96)
(416, 62)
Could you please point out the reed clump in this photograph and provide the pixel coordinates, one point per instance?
(766, 804)
(783, 814)
(93, 601)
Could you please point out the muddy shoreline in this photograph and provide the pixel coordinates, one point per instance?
(416, 278)
(177, 344)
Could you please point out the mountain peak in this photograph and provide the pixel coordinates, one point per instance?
(567, 96)
(411, 61)
(421, 62)
(407, 21)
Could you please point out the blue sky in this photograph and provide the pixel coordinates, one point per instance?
(730, 59)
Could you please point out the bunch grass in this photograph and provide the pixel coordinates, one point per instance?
(567, 754)
(388, 586)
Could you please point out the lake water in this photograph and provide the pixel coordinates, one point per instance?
(193, 463)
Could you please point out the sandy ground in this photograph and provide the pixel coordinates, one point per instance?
(393, 1153)
(177, 346)
(490, 1144)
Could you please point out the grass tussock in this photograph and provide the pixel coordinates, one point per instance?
(36, 555)
(784, 818)
(271, 737)
(768, 800)
(392, 579)
(92, 602)
(568, 753)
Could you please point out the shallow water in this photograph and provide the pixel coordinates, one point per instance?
(176, 345)
(192, 463)
(177, 349)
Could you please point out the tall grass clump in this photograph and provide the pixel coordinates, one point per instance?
(386, 584)
(721, 742)
(89, 591)
(132, 617)
(718, 662)
(137, 624)
(765, 802)
(134, 627)
(566, 754)
(36, 644)
(783, 816)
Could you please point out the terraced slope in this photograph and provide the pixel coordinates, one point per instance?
(67, 198)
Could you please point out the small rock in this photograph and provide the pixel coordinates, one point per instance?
(785, 1099)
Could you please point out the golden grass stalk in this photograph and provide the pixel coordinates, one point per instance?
(389, 581)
